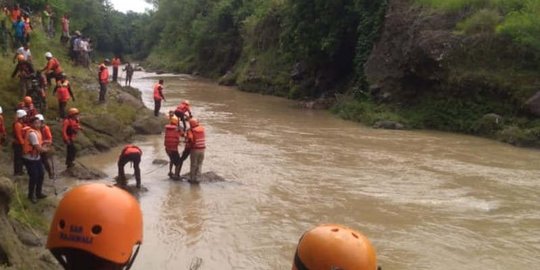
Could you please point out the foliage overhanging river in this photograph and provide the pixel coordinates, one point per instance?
(427, 200)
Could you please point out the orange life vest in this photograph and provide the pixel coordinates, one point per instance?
(28, 148)
(62, 92)
(18, 132)
(46, 134)
(104, 76)
(172, 137)
(183, 108)
(199, 141)
(70, 128)
(116, 62)
(131, 149)
(54, 65)
(157, 92)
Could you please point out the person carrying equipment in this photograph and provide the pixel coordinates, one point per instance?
(63, 94)
(158, 97)
(47, 138)
(103, 77)
(52, 69)
(96, 226)
(333, 246)
(70, 128)
(171, 142)
(32, 149)
(197, 143)
(18, 142)
(183, 112)
(24, 70)
(130, 153)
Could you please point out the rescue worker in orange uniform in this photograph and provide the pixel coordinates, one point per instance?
(52, 69)
(3, 132)
(32, 149)
(63, 94)
(158, 97)
(196, 140)
(115, 64)
(47, 138)
(24, 70)
(96, 226)
(130, 153)
(70, 127)
(183, 112)
(18, 142)
(28, 106)
(333, 246)
(172, 140)
(103, 77)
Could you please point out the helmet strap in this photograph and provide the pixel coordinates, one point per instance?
(133, 257)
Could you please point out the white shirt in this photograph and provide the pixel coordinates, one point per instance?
(25, 53)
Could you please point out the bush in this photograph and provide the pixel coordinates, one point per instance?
(483, 21)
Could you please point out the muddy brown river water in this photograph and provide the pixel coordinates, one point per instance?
(427, 200)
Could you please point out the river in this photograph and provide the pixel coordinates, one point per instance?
(427, 200)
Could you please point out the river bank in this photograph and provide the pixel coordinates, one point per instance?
(123, 118)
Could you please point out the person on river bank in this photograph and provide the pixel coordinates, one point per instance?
(70, 127)
(52, 69)
(103, 78)
(46, 136)
(334, 246)
(197, 142)
(24, 70)
(96, 226)
(32, 149)
(129, 73)
(18, 142)
(63, 94)
(130, 153)
(115, 65)
(158, 97)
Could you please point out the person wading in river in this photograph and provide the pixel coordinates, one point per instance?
(96, 226)
(333, 246)
(158, 97)
(171, 142)
(130, 153)
(129, 73)
(196, 140)
(183, 112)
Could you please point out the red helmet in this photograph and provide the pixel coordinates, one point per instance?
(27, 100)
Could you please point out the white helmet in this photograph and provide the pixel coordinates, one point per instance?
(1, 111)
(48, 54)
(21, 113)
(40, 117)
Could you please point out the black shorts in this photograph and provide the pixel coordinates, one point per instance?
(174, 156)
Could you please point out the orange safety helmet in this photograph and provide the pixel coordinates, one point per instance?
(73, 111)
(27, 100)
(20, 57)
(193, 122)
(173, 120)
(333, 246)
(99, 219)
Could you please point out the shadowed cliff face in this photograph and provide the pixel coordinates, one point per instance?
(412, 52)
